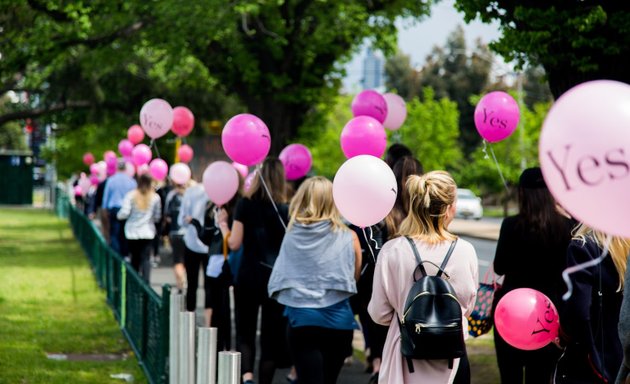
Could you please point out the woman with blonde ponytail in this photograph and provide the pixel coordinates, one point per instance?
(432, 202)
(589, 318)
(141, 208)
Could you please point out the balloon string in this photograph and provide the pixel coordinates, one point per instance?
(579, 267)
(368, 244)
(372, 238)
(154, 145)
(487, 145)
(262, 179)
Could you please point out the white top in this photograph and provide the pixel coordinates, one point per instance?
(140, 223)
(194, 205)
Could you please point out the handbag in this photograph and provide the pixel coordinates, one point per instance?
(480, 320)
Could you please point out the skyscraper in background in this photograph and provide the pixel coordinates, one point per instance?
(373, 70)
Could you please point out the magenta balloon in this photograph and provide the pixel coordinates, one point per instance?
(242, 169)
(141, 154)
(220, 180)
(526, 319)
(158, 169)
(183, 121)
(180, 173)
(108, 155)
(185, 153)
(297, 161)
(396, 111)
(88, 159)
(135, 134)
(125, 147)
(584, 154)
(364, 190)
(94, 179)
(156, 118)
(363, 135)
(370, 103)
(496, 116)
(246, 139)
(78, 191)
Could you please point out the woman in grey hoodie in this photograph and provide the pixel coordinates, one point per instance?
(314, 276)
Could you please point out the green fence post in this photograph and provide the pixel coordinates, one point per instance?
(123, 294)
(164, 331)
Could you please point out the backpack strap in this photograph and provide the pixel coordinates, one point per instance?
(417, 255)
(448, 256)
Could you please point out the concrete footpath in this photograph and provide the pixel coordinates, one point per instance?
(354, 370)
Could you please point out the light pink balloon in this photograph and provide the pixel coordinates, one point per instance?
(496, 116)
(363, 135)
(246, 139)
(78, 191)
(180, 173)
(84, 183)
(94, 169)
(370, 103)
(108, 155)
(248, 181)
(185, 153)
(396, 111)
(158, 169)
(141, 154)
(242, 169)
(156, 118)
(526, 319)
(130, 169)
(584, 151)
(183, 121)
(297, 161)
(125, 147)
(135, 134)
(102, 170)
(220, 180)
(88, 159)
(142, 169)
(364, 190)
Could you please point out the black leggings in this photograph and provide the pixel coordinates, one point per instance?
(141, 257)
(273, 348)
(192, 262)
(318, 353)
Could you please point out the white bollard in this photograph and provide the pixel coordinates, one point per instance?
(207, 356)
(229, 367)
(186, 348)
(176, 306)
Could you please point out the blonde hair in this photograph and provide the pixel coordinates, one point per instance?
(144, 193)
(618, 249)
(430, 196)
(313, 202)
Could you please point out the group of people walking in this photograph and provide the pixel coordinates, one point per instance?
(290, 257)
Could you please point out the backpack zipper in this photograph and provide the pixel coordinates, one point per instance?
(419, 326)
(423, 294)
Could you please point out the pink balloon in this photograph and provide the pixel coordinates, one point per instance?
(130, 169)
(183, 121)
(185, 153)
(220, 180)
(584, 154)
(94, 180)
(156, 118)
(88, 159)
(496, 116)
(78, 191)
(363, 135)
(94, 169)
(125, 147)
(297, 161)
(370, 103)
(102, 170)
(158, 169)
(180, 173)
(364, 190)
(111, 169)
(84, 183)
(242, 169)
(109, 155)
(248, 181)
(142, 169)
(526, 319)
(396, 111)
(246, 139)
(135, 134)
(141, 154)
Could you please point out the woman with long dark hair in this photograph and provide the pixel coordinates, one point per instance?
(259, 225)
(531, 254)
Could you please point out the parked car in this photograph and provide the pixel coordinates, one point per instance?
(468, 205)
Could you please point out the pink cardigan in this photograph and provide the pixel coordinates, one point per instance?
(392, 281)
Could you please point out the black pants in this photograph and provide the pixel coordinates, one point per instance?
(538, 365)
(192, 262)
(273, 348)
(117, 239)
(141, 257)
(318, 353)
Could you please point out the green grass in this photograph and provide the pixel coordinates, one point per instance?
(498, 211)
(483, 360)
(50, 303)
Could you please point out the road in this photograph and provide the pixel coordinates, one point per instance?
(485, 253)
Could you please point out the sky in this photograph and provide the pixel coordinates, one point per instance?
(418, 39)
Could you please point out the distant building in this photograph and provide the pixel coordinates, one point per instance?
(373, 71)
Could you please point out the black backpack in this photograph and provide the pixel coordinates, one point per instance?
(431, 325)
